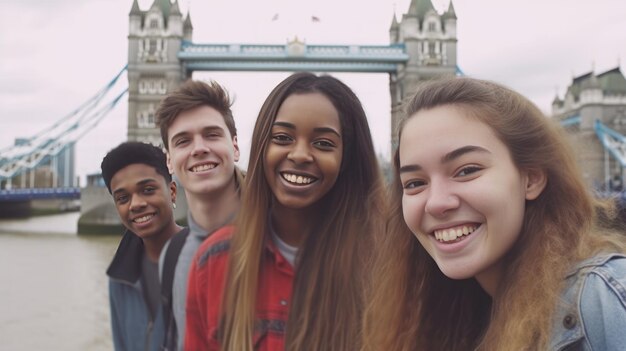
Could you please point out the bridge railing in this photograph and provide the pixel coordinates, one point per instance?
(39, 193)
(386, 53)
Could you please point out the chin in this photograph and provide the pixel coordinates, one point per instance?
(456, 274)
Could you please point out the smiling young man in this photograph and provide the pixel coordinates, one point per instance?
(137, 177)
(199, 134)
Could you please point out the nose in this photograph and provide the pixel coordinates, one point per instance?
(441, 199)
(300, 153)
(199, 147)
(137, 203)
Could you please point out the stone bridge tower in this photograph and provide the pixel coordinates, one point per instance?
(154, 40)
(430, 40)
(589, 98)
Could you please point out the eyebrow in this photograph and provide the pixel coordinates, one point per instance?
(450, 156)
(317, 130)
(185, 132)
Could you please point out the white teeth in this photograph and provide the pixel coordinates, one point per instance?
(297, 179)
(142, 219)
(203, 167)
(452, 234)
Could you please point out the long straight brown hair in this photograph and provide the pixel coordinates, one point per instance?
(413, 306)
(327, 302)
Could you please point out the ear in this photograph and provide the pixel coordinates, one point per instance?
(236, 147)
(173, 191)
(169, 163)
(536, 181)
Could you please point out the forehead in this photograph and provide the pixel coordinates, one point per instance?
(309, 110)
(443, 129)
(133, 174)
(197, 119)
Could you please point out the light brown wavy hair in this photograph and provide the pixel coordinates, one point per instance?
(327, 302)
(414, 306)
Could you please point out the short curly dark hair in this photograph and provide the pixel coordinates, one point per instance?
(133, 152)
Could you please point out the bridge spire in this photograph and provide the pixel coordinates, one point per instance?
(450, 13)
(135, 10)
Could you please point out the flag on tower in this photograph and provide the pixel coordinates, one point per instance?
(315, 19)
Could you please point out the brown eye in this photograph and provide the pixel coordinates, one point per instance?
(465, 171)
(281, 139)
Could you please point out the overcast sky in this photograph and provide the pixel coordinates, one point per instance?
(55, 54)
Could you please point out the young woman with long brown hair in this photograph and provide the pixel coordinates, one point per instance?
(289, 274)
(494, 241)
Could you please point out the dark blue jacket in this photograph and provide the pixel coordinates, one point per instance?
(133, 326)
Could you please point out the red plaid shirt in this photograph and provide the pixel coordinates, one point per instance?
(206, 285)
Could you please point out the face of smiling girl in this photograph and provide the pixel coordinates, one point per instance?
(463, 197)
(303, 158)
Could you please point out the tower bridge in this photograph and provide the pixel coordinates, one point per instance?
(162, 54)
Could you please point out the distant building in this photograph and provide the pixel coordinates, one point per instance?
(52, 171)
(590, 98)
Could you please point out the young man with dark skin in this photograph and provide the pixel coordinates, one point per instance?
(137, 177)
(199, 134)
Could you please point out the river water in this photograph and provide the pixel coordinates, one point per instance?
(53, 285)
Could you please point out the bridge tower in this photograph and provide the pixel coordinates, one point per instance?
(430, 40)
(589, 98)
(155, 37)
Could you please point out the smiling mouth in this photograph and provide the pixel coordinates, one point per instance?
(298, 179)
(454, 234)
(202, 168)
(143, 219)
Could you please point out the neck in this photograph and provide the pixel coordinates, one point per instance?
(154, 245)
(292, 225)
(214, 209)
(490, 278)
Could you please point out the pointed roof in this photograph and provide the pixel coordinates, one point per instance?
(394, 22)
(163, 5)
(450, 13)
(187, 25)
(612, 82)
(175, 10)
(420, 7)
(135, 10)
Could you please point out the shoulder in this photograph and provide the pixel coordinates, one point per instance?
(215, 247)
(602, 302)
(605, 282)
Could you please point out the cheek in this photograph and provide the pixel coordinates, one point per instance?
(268, 158)
(331, 165)
(411, 210)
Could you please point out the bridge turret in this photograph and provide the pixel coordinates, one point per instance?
(449, 38)
(175, 21)
(187, 28)
(153, 65)
(135, 18)
(430, 42)
(393, 30)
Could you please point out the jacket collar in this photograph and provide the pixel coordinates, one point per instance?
(594, 261)
(126, 264)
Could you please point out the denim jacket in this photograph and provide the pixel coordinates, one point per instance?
(591, 314)
(133, 327)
